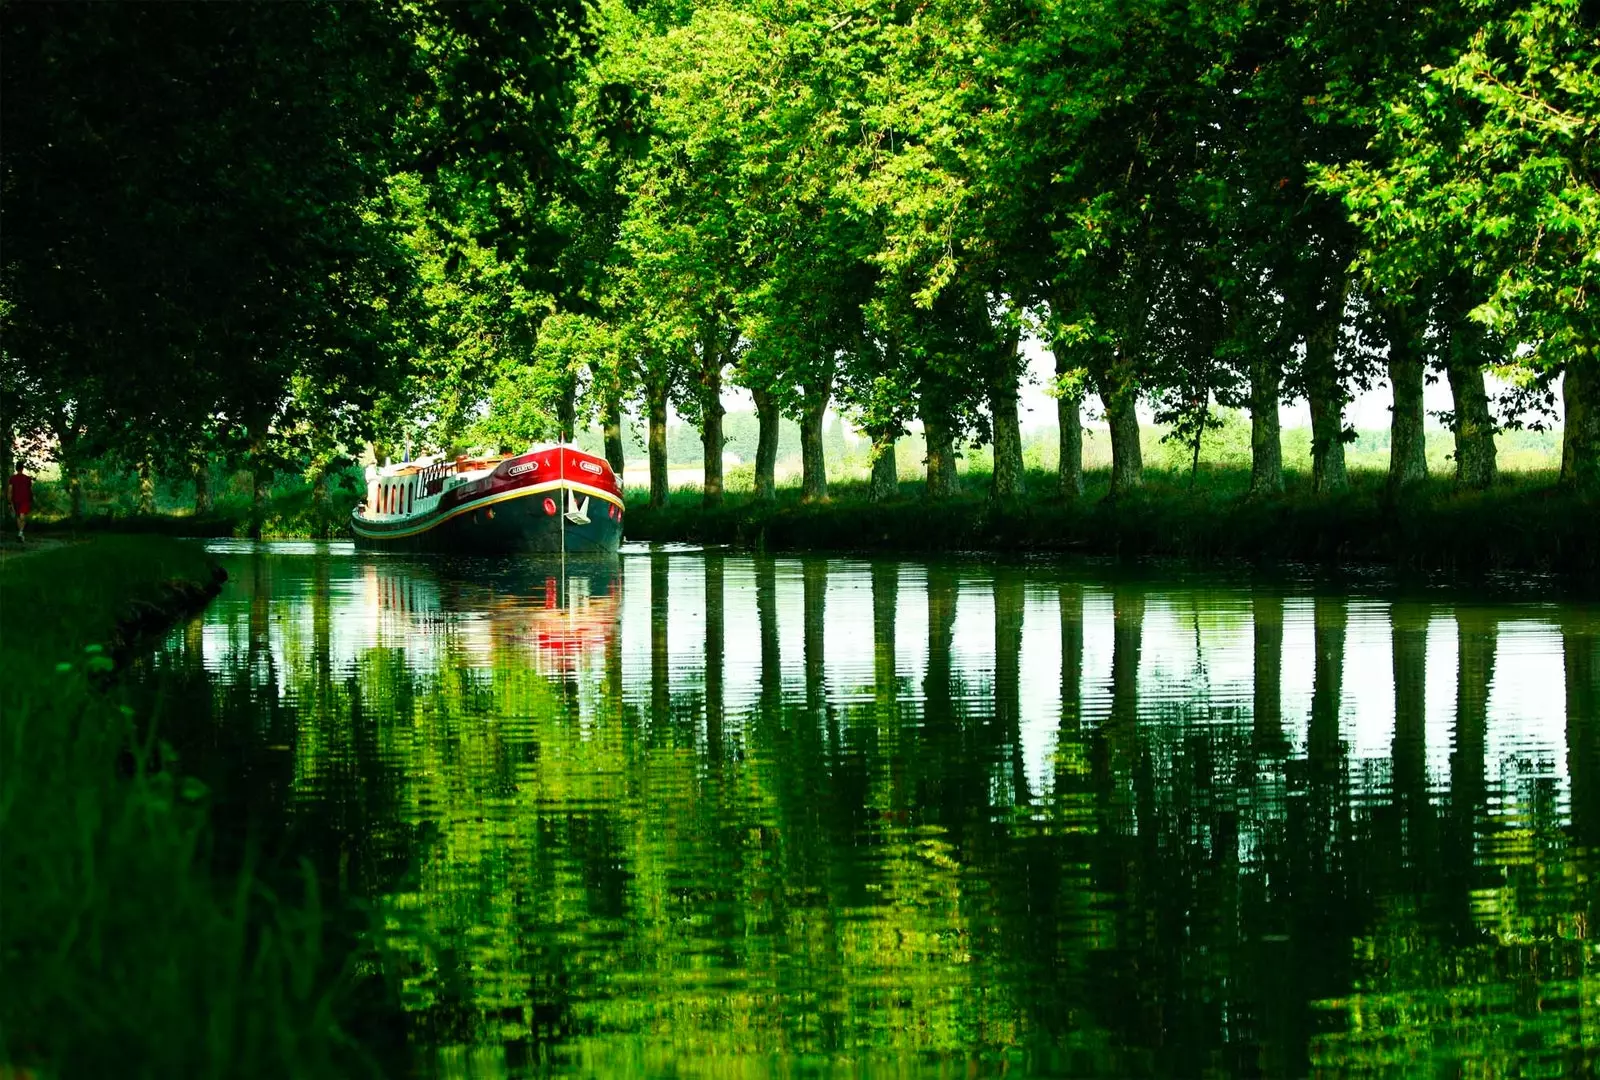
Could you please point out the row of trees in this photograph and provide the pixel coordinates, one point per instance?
(1193, 203)
(490, 223)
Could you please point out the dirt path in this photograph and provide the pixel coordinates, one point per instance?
(10, 549)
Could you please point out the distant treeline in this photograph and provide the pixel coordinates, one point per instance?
(280, 236)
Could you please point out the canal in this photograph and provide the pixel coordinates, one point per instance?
(702, 814)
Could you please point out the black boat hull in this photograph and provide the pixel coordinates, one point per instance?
(529, 522)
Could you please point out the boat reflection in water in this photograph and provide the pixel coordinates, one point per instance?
(555, 613)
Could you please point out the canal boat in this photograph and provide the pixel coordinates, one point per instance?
(553, 499)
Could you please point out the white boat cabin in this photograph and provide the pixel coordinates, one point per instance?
(410, 488)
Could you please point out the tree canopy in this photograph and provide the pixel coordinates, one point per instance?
(284, 231)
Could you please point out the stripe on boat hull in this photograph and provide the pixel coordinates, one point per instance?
(507, 521)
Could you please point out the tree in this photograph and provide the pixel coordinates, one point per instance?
(182, 262)
(1484, 176)
(1113, 111)
(1405, 329)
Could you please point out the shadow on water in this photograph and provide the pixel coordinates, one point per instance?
(709, 813)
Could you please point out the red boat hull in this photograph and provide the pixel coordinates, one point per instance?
(543, 502)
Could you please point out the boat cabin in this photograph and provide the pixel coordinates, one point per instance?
(415, 487)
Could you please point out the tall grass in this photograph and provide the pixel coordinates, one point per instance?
(1522, 523)
(121, 953)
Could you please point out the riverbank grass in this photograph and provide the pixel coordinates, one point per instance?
(122, 956)
(1523, 522)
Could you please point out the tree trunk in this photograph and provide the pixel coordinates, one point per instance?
(1195, 446)
(1469, 346)
(567, 410)
(1327, 442)
(611, 426)
(711, 441)
(1069, 405)
(657, 406)
(1119, 395)
(768, 417)
(8, 466)
(259, 426)
(202, 486)
(72, 477)
(1325, 393)
(1408, 452)
(813, 469)
(260, 486)
(1069, 467)
(1473, 425)
(941, 456)
(1127, 458)
(1006, 481)
(885, 482)
(1580, 444)
(71, 470)
(319, 487)
(147, 486)
(1266, 440)
(319, 498)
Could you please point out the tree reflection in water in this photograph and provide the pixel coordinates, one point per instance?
(758, 815)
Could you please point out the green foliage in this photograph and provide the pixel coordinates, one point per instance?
(125, 952)
(496, 223)
(172, 265)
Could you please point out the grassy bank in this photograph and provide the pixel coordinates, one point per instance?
(122, 953)
(1522, 523)
(290, 513)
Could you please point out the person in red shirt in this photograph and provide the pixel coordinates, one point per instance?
(21, 498)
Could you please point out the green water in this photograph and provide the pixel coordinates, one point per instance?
(696, 814)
